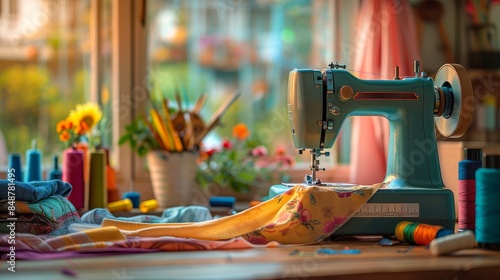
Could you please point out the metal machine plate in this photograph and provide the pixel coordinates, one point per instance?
(375, 210)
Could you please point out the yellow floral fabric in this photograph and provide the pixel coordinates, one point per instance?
(301, 215)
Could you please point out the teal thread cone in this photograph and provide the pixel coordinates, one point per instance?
(488, 208)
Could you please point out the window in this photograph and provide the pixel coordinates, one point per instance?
(216, 47)
(44, 58)
(101, 50)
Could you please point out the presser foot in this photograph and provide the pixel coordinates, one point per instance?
(318, 182)
(311, 179)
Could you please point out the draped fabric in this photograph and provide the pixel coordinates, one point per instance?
(386, 37)
(301, 215)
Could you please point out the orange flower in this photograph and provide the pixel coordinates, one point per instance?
(240, 131)
(81, 128)
(280, 151)
(85, 126)
(64, 136)
(62, 125)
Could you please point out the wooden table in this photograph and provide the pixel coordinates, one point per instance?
(400, 261)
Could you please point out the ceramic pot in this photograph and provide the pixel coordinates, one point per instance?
(172, 177)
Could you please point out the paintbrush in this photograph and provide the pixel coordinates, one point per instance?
(216, 117)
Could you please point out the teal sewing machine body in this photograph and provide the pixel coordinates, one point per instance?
(320, 101)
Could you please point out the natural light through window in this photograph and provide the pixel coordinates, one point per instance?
(44, 53)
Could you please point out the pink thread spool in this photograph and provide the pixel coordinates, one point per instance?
(467, 189)
(73, 174)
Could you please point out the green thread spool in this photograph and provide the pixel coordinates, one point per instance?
(419, 234)
(98, 194)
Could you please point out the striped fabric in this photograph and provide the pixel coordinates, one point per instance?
(95, 238)
(109, 240)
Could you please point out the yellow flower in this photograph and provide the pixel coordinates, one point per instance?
(88, 113)
(240, 131)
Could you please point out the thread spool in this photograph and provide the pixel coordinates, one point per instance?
(419, 234)
(55, 173)
(222, 201)
(487, 206)
(453, 242)
(14, 166)
(120, 205)
(73, 173)
(33, 163)
(467, 188)
(135, 197)
(112, 190)
(98, 195)
(148, 205)
(113, 195)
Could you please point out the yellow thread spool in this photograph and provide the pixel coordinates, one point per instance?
(148, 205)
(399, 230)
(120, 205)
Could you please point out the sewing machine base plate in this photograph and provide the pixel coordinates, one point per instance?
(388, 207)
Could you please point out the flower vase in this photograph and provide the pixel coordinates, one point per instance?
(173, 177)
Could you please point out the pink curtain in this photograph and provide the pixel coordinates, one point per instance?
(386, 37)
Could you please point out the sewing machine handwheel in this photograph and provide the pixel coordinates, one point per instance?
(455, 76)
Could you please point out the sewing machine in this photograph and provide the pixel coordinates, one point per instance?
(320, 101)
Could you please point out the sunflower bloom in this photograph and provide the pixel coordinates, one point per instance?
(89, 113)
(240, 131)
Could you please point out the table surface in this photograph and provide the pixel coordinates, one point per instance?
(401, 261)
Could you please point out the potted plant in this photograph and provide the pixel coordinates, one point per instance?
(170, 151)
(242, 164)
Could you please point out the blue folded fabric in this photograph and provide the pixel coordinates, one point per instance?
(34, 191)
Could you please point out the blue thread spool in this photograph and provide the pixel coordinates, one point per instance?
(222, 201)
(487, 206)
(15, 166)
(135, 197)
(33, 164)
(56, 172)
(467, 188)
